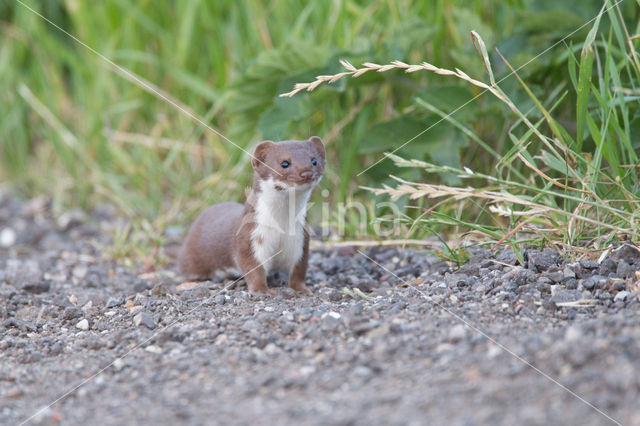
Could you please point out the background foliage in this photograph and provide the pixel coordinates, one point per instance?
(73, 127)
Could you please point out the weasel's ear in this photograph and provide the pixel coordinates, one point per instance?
(317, 143)
(260, 153)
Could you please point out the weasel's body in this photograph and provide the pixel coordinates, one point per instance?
(269, 232)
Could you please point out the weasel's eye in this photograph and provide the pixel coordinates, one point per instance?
(314, 161)
(285, 164)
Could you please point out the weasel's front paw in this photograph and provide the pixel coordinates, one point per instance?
(301, 288)
(263, 290)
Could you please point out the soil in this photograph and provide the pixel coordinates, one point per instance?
(389, 336)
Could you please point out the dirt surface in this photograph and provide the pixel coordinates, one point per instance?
(84, 340)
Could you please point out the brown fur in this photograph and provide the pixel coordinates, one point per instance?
(209, 244)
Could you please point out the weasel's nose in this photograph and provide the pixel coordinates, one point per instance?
(306, 175)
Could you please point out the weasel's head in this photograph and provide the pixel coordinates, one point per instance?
(290, 164)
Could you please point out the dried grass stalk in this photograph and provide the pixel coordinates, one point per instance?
(370, 66)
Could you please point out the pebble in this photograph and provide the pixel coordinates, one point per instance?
(250, 325)
(22, 325)
(589, 264)
(625, 270)
(456, 280)
(153, 349)
(621, 296)
(141, 286)
(334, 315)
(362, 371)
(113, 302)
(7, 237)
(188, 285)
(37, 287)
(56, 349)
(83, 324)
(543, 260)
(18, 271)
(220, 299)
(159, 290)
(80, 271)
(71, 313)
(144, 318)
(457, 333)
(568, 273)
(554, 276)
(563, 296)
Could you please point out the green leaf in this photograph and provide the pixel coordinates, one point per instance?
(584, 82)
(417, 139)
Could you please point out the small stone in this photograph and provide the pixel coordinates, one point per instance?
(335, 295)
(71, 313)
(330, 323)
(589, 283)
(13, 392)
(113, 302)
(598, 282)
(56, 349)
(562, 296)
(70, 219)
(118, 364)
(334, 315)
(380, 331)
(221, 299)
(543, 260)
(199, 293)
(589, 264)
(554, 275)
(144, 318)
(621, 296)
(35, 357)
(17, 271)
(80, 271)
(153, 349)
(271, 349)
(456, 280)
(361, 327)
(7, 237)
(607, 266)
(570, 283)
(188, 285)
(457, 333)
(507, 257)
(159, 290)
(37, 287)
(362, 371)
(287, 315)
(250, 325)
(625, 270)
(568, 273)
(83, 324)
(141, 286)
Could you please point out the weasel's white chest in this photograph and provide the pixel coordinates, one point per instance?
(278, 237)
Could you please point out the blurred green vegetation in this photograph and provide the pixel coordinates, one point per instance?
(71, 126)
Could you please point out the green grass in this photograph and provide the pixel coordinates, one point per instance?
(72, 127)
(582, 188)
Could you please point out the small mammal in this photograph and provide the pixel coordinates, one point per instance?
(268, 233)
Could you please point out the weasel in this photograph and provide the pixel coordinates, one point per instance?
(269, 232)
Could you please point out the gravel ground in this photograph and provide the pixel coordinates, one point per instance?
(411, 341)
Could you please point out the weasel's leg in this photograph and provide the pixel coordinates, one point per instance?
(257, 281)
(299, 271)
(253, 272)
